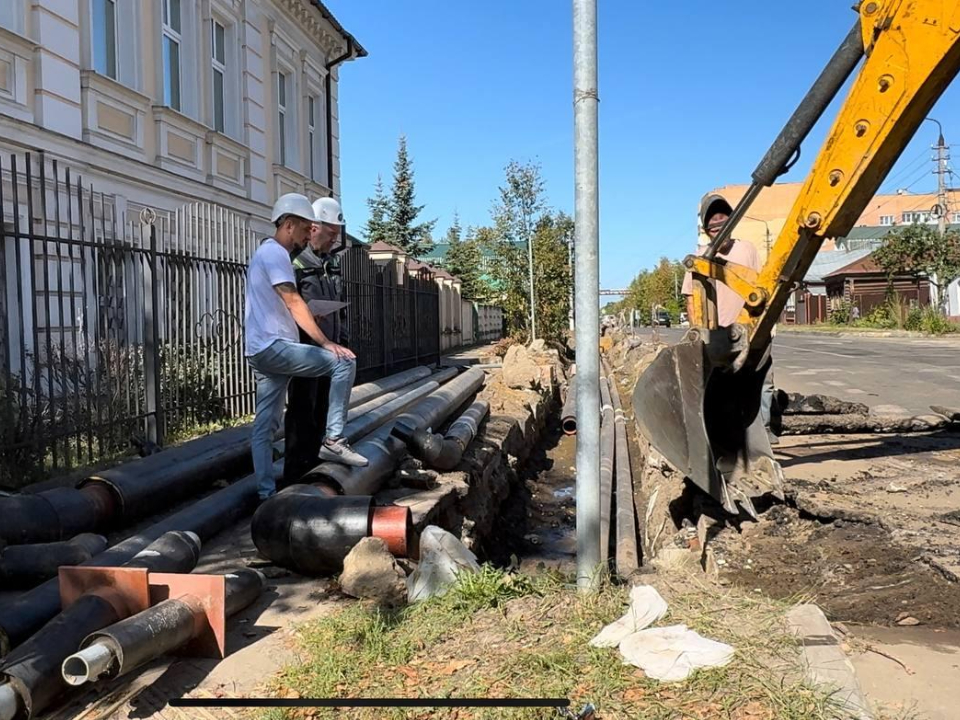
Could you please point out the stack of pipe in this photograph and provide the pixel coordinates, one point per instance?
(383, 450)
(120, 496)
(22, 617)
(160, 630)
(31, 675)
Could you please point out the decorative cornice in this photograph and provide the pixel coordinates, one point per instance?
(312, 22)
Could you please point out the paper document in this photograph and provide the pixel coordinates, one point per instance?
(322, 308)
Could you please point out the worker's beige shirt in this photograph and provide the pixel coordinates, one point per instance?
(729, 304)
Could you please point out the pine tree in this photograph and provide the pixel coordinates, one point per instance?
(376, 228)
(402, 229)
(463, 260)
(455, 231)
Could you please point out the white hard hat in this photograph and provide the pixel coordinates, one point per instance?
(328, 211)
(293, 204)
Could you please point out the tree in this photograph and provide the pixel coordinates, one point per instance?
(552, 274)
(463, 260)
(516, 216)
(919, 250)
(402, 230)
(454, 232)
(659, 286)
(376, 228)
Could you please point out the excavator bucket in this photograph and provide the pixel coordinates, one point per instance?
(706, 422)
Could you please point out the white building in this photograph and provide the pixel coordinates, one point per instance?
(165, 102)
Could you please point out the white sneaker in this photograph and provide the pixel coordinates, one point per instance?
(339, 451)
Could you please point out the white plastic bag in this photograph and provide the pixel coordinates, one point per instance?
(671, 653)
(442, 558)
(647, 606)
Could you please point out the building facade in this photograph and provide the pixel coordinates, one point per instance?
(165, 102)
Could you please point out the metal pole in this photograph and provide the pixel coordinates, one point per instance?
(533, 302)
(587, 217)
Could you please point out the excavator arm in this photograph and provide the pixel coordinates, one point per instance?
(912, 53)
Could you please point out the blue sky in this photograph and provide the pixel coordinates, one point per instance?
(691, 95)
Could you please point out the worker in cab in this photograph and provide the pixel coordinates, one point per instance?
(274, 316)
(318, 276)
(714, 213)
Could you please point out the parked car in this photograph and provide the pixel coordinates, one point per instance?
(661, 317)
(684, 320)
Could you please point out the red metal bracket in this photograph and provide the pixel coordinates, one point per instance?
(127, 589)
(210, 590)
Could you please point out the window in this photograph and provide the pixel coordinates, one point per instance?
(218, 38)
(105, 37)
(886, 219)
(171, 53)
(282, 80)
(312, 135)
(918, 217)
(955, 218)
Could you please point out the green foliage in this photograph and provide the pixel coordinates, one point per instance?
(921, 250)
(659, 286)
(463, 260)
(521, 216)
(375, 229)
(402, 228)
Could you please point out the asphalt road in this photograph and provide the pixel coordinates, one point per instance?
(894, 375)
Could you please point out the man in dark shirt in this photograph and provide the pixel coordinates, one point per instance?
(318, 277)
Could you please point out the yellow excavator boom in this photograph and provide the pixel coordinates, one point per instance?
(912, 53)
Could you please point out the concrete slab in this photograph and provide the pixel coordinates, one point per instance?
(827, 664)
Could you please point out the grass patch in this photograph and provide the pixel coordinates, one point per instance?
(510, 635)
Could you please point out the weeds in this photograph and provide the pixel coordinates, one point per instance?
(509, 635)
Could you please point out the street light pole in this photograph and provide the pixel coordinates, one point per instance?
(587, 259)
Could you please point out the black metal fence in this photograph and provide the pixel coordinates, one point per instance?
(121, 326)
(393, 316)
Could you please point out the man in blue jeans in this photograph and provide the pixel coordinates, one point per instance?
(274, 312)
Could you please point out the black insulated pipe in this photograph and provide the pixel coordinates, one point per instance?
(25, 615)
(33, 671)
(568, 415)
(383, 450)
(444, 452)
(29, 565)
(372, 390)
(53, 515)
(157, 631)
(304, 529)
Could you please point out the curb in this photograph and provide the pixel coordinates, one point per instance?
(878, 334)
(826, 664)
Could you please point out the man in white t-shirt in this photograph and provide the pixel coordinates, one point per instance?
(274, 311)
(714, 213)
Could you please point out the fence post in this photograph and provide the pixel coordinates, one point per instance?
(151, 332)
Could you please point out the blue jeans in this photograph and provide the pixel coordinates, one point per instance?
(273, 368)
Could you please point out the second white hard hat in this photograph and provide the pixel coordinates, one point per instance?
(328, 211)
(293, 204)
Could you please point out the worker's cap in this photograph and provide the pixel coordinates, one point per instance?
(711, 205)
